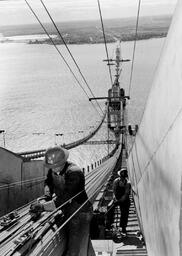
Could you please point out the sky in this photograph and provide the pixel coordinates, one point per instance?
(17, 12)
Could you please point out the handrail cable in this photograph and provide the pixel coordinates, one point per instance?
(134, 48)
(51, 214)
(41, 153)
(59, 33)
(160, 143)
(52, 41)
(70, 217)
(71, 198)
(22, 182)
(105, 40)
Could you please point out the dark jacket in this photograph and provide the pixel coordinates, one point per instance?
(122, 190)
(67, 184)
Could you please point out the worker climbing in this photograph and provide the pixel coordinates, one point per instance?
(66, 180)
(121, 190)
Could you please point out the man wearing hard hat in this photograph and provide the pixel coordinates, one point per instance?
(67, 181)
(121, 190)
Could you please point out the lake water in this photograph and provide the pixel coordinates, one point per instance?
(39, 96)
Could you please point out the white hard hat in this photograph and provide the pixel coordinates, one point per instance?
(123, 169)
(55, 157)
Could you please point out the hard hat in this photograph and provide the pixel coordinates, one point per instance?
(123, 169)
(55, 157)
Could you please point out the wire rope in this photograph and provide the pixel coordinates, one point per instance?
(52, 41)
(155, 69)
(59, 33)
(105, 40)
(161, 142)
(20, 183)
(66, 221)
(134, 48)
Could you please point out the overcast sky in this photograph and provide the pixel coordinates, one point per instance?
(17, 12)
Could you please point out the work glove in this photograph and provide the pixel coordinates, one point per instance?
(36, 207)
(36, 210)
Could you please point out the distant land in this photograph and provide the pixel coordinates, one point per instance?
(90, 32)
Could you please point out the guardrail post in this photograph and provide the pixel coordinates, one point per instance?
(88, 168)
(8, 199)
(83, 169)
(92, 166)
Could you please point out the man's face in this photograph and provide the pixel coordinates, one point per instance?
(59, 168)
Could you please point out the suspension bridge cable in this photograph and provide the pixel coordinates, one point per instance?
(105, 40)
(59, 33)
(134, 48)
(179, 113)
(52, 41)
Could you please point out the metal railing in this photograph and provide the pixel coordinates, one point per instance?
(35, 154)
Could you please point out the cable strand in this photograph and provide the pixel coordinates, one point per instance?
(105, 43)
(134, 48)
(52, 41)
(59, 33)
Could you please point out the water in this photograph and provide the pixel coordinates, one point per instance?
(38, 94)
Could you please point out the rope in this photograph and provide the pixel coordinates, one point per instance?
(134, 48)
(59, 33)
(58, 230)
(19, 183)
(105, 40)
(149, 93)
(52, 41)
(51, 214)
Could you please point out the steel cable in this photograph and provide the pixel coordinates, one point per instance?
(59, 33)
(52, 41)
(67, 220)
(105, 40)
(134, 48)
(58, 230)
(19, 183)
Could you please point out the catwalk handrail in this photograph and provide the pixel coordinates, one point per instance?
(30, 155)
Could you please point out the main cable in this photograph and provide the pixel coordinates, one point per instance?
(59, 33)
(105, 41)
(134, 48)
(52, 41)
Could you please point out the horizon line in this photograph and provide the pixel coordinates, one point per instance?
(90, 20)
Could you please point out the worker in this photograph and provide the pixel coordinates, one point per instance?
(121, 190)
(66, 180)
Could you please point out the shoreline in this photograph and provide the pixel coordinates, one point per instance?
(89, 32)
(80, 42)
(98, 42)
